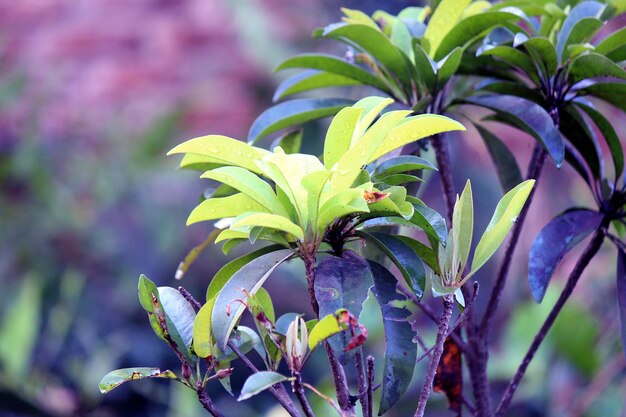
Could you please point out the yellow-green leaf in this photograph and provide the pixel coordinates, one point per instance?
(218, 208)
(273, 221)
(339, 134)
(446, 16)
(202, 336)
(462, 228)
(414, 128)
(324, 329)
(224, 150)
(503, 218)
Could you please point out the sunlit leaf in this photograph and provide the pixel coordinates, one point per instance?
(219, 208)
(443, 20)
(202, 335)
(339, 134)
(311, 80)
(504, 216)
(325, 328)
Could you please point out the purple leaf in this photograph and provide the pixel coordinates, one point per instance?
(553, 242)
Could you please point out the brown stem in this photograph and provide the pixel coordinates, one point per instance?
(339, 376)
(440, 145)
(589, 252)
(359, 363)
(370, 386)
(206, 402)
(298, 389)
(444, 321)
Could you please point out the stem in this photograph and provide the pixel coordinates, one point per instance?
(443, 164)
(361, 378)
(206, 402)
(590, 251)
(534, 171)
(339, 377)
(298, 389)
(479, 335)
(278, 390)
(370, 386)
(444, 320)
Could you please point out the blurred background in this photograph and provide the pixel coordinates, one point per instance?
(92, 96)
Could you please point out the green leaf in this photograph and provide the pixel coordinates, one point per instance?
(468, 30)
(400, 351)
(501, 222)
(610, 136)
(443, 20)
(407, 261)
(612, 43)
(258, 382)
(324, 329)
(508, 171)
(614, 93)
(196, 162)
(513, 57)
(294, 112)
(429, 220)
(223, 150)
(219, 208)
(541, 50)
(202, 335)
(581, 135)
(332, 64)
(448, 66)
(425, 67)
(272, 221)
(180, 317)
(401, 164)
(249, 184)
(375, 43)
(412, 129)
(249, 278)
(342, 283)
(462, 228)
(226, 272)
(290, 142)
(19, 330)
(426, 254)
(592, 65)
(579, 25)
(402, 38)
(527, 116)
(311, 80)
(116, 378)
(339, 134)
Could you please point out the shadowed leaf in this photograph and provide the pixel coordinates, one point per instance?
(116, 378)
(259, 382)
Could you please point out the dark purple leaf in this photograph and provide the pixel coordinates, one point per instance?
(342, 282)
(400, 351)
(508, 171)
(527, 116)
(553, 242)
(621, 293)
(294, 112)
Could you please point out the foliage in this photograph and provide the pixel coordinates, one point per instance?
(531, 65)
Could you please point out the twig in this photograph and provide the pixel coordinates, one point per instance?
(370, 387)
(444, 321)
(584, 399)
(589, 252)
(194, 303)
(278, 390)
(324, 397)
(296, 384)
(359, 363)
(206, 402)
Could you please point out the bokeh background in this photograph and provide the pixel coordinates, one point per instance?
(93, 94)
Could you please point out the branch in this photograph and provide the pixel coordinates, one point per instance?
(361, 378)
(206, 402)
(444, 321)
(590, 251)
(370, 386)
(298, 389)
